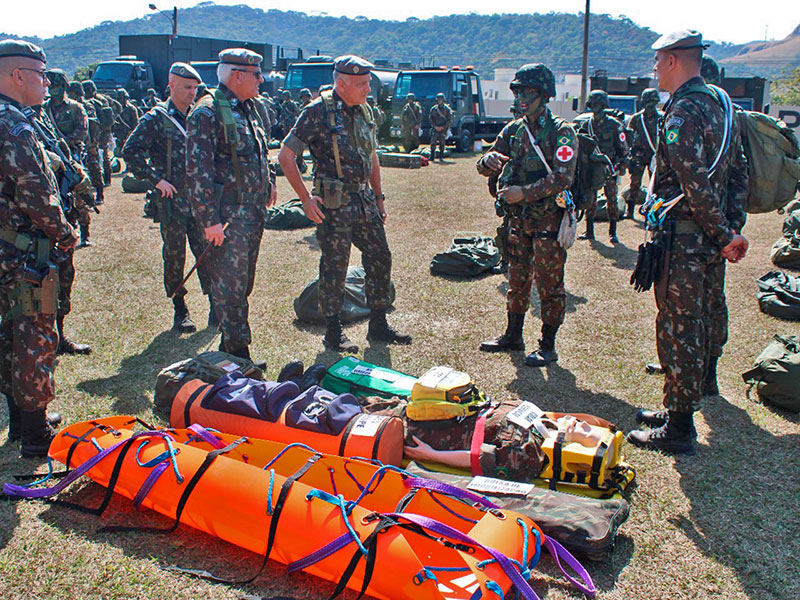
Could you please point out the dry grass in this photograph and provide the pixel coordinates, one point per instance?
(722, 524)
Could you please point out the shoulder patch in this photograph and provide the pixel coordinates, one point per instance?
(672, 135)
(564, 153)
(674, 122)
(20, 128)
(203, 110)
(622, 136)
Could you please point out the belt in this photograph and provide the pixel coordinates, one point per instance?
(347, 187)
(687, 226)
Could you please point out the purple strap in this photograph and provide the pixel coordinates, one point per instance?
(330, 548)
(22, 492)
(450, 490)
(207, 436)
(149, 482)
(508, 567)
(558, 551)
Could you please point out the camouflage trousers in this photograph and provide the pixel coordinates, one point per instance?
(231, 270)
(610, 190)
(106, 141)
(93, 165)
(27, 357)
(715, 315)
(410, 139)
(534, 253)
(681, 338)
(358, 224)
(635, 193)
(174, 233)
(438, 138)
(66, 277)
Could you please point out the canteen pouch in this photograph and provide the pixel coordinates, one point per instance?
(332, 193)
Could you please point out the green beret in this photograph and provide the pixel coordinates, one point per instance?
(240, 56)
(352, 65)
(680, 40)
(9, 48)
(186, 71)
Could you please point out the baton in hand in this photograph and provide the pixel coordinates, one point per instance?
(194, 267)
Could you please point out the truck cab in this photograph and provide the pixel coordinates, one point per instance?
(127, 72)
(462, 90)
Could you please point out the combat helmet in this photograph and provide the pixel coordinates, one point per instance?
(305, 92)
(411, 96)
(597, 99)
(709, 71)
(122, 94)
(75, 89)
(286, 95)
(650, 97)
(537, 76)
(57, 77)
(440, 95)
(89, 88)
(371, 100)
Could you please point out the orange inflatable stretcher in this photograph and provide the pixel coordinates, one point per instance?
(369, 436)
(372, 528)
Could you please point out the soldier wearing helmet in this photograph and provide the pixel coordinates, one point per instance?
(440, 117)
(104, 113)
(411, 122)
(305, 97)
(644, 125)
(377, 113)
(150, 98)
(709, 71)
(610, 136)
(128, 117)
(529, 185)
(288, 112)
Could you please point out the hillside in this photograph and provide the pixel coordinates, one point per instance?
(769, 56)
(485, 41)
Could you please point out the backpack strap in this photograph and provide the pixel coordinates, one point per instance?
(647, 133)
(167, 119)
(330, 110)
(225, 112)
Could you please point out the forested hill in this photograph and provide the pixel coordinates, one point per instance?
(485, 41)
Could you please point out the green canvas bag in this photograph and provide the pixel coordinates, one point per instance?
(466, 257)
(289, 215)
(779, 295)
(776, 373)
(351, 375)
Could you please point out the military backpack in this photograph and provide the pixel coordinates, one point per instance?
(779, 295)
(776, 373)
(466, 257)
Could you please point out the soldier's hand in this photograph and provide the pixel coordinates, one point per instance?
(494, 160)
(311, 206)
(166, 188)
(381, 210)
(273, 197)
(736, 249)
(215, 234)
(512, 194)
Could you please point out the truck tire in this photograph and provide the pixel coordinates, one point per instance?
(464, 140)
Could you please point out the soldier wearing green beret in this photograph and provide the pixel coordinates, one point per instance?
(32, 224)
(346, 201)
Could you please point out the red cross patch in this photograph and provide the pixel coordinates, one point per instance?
(622, 136)
(564, 153)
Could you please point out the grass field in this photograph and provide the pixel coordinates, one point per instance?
(722, 524)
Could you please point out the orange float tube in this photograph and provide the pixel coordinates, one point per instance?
(368, 436)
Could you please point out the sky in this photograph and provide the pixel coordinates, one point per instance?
(775, 19)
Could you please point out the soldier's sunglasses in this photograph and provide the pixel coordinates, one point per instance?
(257, 74)
(41, 72)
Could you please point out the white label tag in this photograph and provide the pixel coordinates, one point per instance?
(362, 370)
(488, 485)
(230, 367)
(525, 414)
(367, 425)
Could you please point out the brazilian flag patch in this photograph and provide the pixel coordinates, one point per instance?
(672, 135)
(564, 140)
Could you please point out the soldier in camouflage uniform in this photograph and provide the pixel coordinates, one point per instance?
(346, 202)
(411, 121)
(31, 223)
(377, 113)
(104, 113)
(91, 159)
(288, 112)
(610, 136)
(440, 118)
(230, 181)
(644, 125)
(128, 117)
(150, 98)
(529, 190)
(156, 152)
(690, 137)
(305, 98)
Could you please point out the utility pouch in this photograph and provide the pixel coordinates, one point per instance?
(35, 292)
(331, 191)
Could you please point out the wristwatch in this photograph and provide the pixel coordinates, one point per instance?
(380, 196)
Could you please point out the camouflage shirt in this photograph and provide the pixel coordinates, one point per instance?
(412, 115)
(211, 173)
(355, 138)
(70, 121)
(559, 145)
(156, 150)
(29, 200)
(690, 135)
(645, 127)
(126, 121)
(288, 114)
(610, 136)
(440, 116)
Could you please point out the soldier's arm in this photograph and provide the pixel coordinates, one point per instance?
(201, 144)
(487, 165)
(565, 162)
(22, 161)
(689, 159)
(80, 134)
(136, 150)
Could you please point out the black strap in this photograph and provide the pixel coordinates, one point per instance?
(597, 464)
(187, 409)
(371, 544)
(557, 460)
(346, 436)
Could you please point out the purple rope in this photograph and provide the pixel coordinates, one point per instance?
(558, 551)
(450, 490)
(207, 436)
(330, 548)
(149, 482)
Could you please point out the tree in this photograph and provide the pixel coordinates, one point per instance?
(83, 73)
(787, 88)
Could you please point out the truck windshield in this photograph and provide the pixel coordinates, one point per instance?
(119, 73)
(424, 85)
(308, 76)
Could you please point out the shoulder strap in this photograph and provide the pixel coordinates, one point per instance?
(536, 147)
(330, 110)
(231, 135)
(647, 133)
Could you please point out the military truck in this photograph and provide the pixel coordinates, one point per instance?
(462, 90)
(316, 71)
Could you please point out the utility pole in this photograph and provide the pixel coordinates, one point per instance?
(175, 20)
(585, 63)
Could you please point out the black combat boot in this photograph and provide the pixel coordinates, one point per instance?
(710, 385)
(589, 233)
(294, 368)
(213, 321)
(380, 331)
(657, 418)
(629, 213)
(511, 340)
(66, 345)
(99, 198)
(674, 437)
(85, 241)
(15, 420)
(36, 434)
(181, 321)
(612, 232)
(335, 339)
(107, 177)
(500, 268)
(546, 352)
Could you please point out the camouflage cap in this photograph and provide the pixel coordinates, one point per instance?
(57, 77)
(650, 96)
(10, 48)
(709, 70)
(181, 69)
(352, 65)
(680, 40)
(538, 76)
(240, 56)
